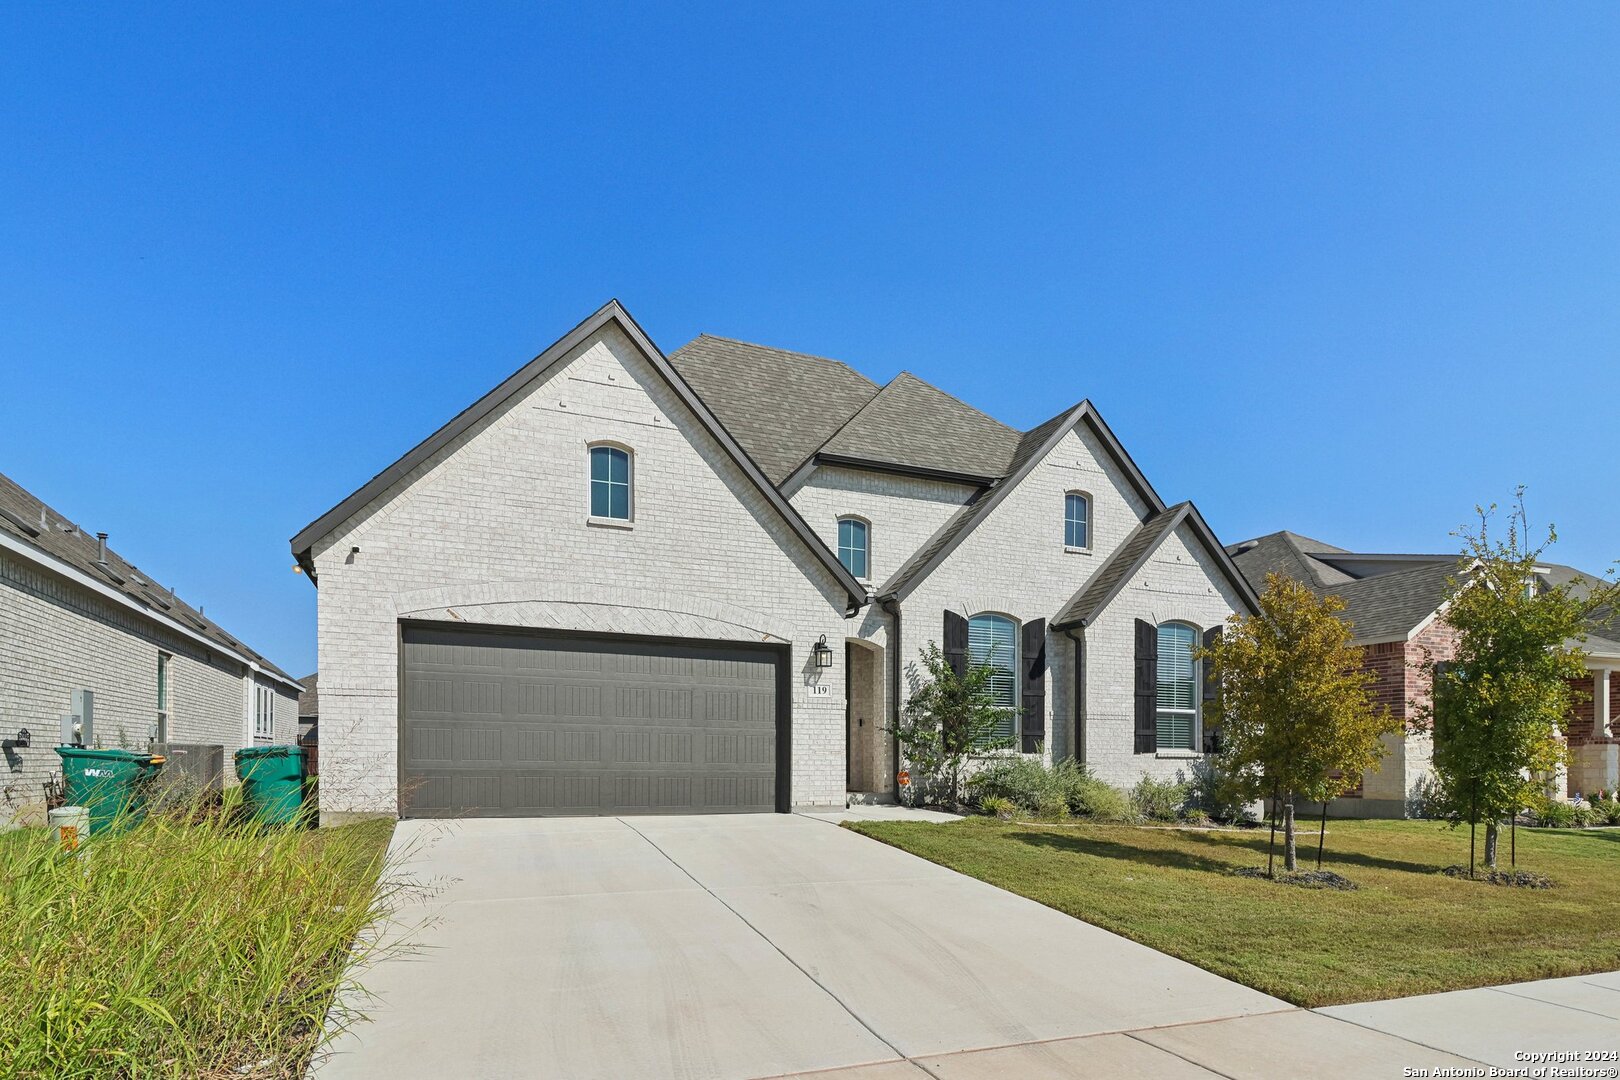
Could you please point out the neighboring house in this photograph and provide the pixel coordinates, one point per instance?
(75, 616)
(629, 583)
(1394, 604)
(309, 719)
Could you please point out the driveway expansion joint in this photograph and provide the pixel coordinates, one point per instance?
(779, 951)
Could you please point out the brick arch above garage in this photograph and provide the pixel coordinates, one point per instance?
(548, 605)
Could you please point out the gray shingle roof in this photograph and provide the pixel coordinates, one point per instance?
(53, 534)
(1391, 605)
(912, 423)
(1288, 554)
(780, 406)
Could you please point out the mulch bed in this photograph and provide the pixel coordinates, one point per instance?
(1519, 879)
(1307, 879)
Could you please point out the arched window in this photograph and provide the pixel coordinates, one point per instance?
(993, 642)
(853, 534)
(610, 483)
(1177, 719)
(1077, 520)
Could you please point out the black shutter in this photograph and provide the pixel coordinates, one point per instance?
(1034, 694)
(955, 648)
(1147, 687)
(1212, 690)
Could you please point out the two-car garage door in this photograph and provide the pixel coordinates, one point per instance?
(516, 725)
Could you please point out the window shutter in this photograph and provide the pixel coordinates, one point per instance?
(956, 642)
(1212, 689)
(1147, 687)
(1034, 694)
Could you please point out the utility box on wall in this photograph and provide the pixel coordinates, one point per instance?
(79, 724)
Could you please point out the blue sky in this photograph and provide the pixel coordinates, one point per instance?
(1346, 270)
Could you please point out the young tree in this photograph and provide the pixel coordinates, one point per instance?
(949, 719)
(1295, 715)
(1499, 706)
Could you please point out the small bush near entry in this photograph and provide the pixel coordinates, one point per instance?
(1029, 783)
(185, 946)
(1159, 800)
(996, 806)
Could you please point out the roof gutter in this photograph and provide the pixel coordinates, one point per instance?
(78, 577)
(899, 469)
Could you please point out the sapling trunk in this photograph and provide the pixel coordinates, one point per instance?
(1290, 850)
(1492, 828)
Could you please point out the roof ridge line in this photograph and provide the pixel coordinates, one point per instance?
(966, 405)
(790, 352)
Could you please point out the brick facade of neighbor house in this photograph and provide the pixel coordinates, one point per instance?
(1394, 608)
(486, 525)
(59, 634)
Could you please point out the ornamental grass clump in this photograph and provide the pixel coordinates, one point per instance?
(183, 948)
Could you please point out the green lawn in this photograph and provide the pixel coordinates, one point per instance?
(179, 950)
(1407, 930)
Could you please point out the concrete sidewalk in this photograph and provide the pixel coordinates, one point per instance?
(769, 945)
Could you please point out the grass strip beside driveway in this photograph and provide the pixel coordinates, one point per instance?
(1407, 929)
(194, 949)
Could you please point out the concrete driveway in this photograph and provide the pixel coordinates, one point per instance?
(766, 945)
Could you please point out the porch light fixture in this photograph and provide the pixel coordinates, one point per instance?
(822, 652)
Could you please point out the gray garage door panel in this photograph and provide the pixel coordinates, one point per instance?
(498, 724)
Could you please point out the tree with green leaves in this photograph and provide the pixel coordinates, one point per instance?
(1500, 703)
(949, 719)
(1294, 707)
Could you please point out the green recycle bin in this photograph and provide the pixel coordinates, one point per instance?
(108, 783)
(272, 783)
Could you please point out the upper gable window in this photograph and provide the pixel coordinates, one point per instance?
(1077, 520)
(610, 483)
(852, 545)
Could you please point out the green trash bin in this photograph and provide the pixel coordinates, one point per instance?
(272, 783)
(108, 783)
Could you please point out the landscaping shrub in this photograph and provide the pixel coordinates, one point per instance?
(1050, 791)
(1027, 782)
(1102, 802)
(1159, 800)
(185, 946)
(996, 806)
(1197, 816)
(1552, 814)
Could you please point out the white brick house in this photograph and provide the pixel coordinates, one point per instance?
(76, 616)
(626, 582)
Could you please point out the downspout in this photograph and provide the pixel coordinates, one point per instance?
(892, 606)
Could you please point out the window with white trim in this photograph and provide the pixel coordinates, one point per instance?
(1077, 520)
(264, 714)
(1177, 715)
(160, 732)
(610, 483)
(853, 534)
(993, 642)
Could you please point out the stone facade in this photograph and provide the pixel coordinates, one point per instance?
(497, 520)
(57, 636)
